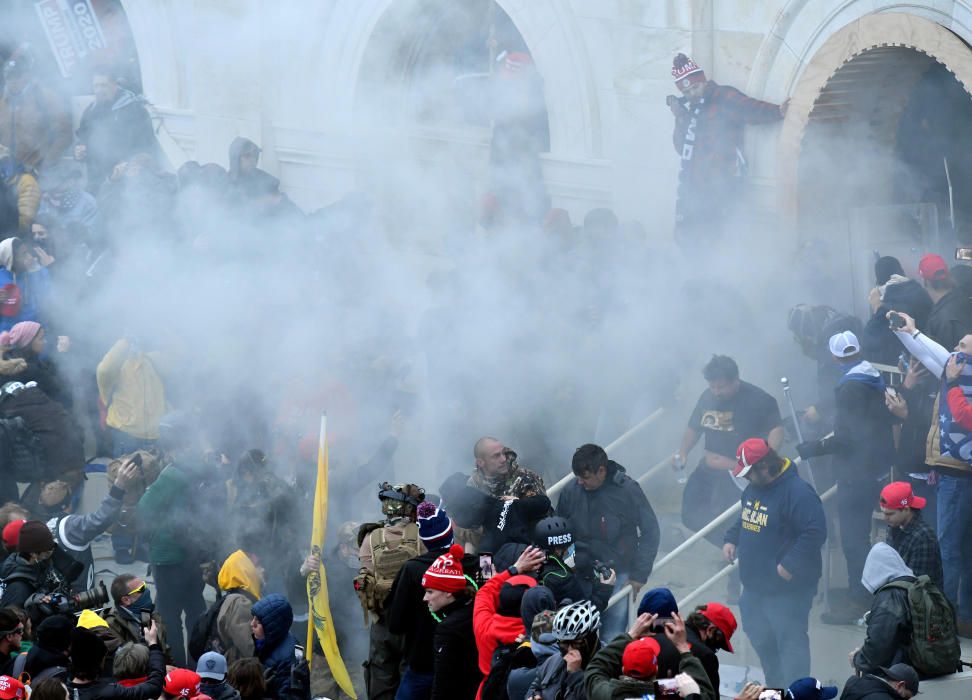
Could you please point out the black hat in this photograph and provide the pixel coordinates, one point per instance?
(54, 633)
(88, 651)
(902, 672)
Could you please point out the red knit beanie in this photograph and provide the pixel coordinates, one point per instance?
(445, 574)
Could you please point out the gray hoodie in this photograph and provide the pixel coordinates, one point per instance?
(883, 564)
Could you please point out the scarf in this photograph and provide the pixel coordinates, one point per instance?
(954, 440)
(683, 197)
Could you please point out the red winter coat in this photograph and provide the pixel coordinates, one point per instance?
(491, 628)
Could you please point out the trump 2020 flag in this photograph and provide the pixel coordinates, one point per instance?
(318, 604)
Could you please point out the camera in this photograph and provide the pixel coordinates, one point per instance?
(69, 604)
(603, 569)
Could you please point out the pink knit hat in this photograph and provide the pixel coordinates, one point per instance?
(21, 335)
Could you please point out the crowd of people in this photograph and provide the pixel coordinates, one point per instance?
(490, 588)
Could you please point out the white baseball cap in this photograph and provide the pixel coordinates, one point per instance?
(844, 344)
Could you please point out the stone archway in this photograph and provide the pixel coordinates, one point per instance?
(551, 34)
(868, 33)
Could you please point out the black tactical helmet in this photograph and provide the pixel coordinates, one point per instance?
(552, 532)
(401, 499)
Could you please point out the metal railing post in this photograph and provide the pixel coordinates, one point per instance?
(651, 418)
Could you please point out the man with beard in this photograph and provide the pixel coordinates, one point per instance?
(727, 413)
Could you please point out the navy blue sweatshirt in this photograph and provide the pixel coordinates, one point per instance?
(781, 523)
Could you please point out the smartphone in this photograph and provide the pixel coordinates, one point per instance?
(146, 619)
(486, 565)
(136, 459)
(963, 253)
(891, 391)
(897, 320)
(666, 687)
(771, 694)
(904, 360)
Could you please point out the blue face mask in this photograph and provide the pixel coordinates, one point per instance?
(143, 603)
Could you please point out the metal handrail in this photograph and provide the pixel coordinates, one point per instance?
(625, 590)
(651, 418)
(722, 573)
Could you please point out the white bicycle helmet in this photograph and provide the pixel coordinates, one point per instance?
(575, 621)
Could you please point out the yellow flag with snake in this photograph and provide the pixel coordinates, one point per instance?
(318, 604)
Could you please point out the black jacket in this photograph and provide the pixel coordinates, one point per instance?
(888, 633)
(113, 133)
(103, 689)
(39, 658)
(219, 690)
(868, 687)
(669, 658)
(407, 614)
(456, 662)
(616, 521)
(879, 341)
(950, 319)
(862, 443)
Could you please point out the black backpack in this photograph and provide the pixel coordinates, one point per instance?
(494, 687)
(203, 637)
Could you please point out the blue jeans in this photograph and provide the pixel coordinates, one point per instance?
(415, 686)
(776, 624)
(614, 621)
(955, 540)
(122, 443)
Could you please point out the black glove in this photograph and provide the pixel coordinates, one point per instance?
(810, 449)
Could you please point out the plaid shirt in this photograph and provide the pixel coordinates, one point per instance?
(918, 546)
(721, 125)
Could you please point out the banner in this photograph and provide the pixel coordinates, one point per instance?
(72, 30)
(318, 604)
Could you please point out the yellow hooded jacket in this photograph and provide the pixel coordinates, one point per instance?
(240, 579)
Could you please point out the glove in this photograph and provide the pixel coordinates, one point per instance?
(686, 685)
(810, 449)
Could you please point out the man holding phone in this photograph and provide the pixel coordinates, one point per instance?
(134, 611)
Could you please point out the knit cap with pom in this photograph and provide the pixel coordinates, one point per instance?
(445, 574)
(435, 526)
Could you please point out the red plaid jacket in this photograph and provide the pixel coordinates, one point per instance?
(719, 131)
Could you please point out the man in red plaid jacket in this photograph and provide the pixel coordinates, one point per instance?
(709, 125)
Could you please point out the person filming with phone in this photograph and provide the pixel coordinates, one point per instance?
(134, 611)
(949, 453)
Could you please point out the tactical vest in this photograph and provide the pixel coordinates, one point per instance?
(389, 558)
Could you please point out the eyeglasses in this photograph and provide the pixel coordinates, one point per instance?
(139, 590)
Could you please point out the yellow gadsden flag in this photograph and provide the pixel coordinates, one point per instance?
(318, 604)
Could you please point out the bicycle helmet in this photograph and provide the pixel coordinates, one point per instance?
(576, 621)
(552, 532)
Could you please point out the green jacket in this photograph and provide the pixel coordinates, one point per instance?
(603, 680)
(161, 514)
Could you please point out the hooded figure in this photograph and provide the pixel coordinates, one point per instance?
(538, 602)
(276, 646)
(240, 579)
(889, 622)
(894, 292)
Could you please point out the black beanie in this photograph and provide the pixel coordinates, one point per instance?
(88, 653)
(885, 267)
(35, 537)
(54, 633)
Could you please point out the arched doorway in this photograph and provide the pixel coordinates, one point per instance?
(878, 116)
(440, 85)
